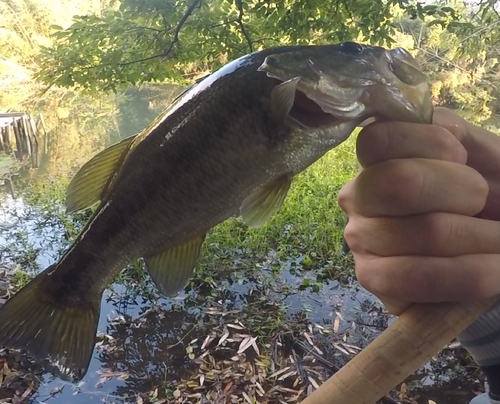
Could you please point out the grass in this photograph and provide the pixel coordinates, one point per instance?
(308, 227)
(20, 279)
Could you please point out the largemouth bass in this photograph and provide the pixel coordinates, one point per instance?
(230, 145)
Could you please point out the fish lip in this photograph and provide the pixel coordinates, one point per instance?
(414, 102)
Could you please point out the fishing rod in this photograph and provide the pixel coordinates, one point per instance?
(418, 334)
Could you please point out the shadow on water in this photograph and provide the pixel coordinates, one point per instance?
(247, 326)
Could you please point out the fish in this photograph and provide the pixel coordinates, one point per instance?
(230, 145)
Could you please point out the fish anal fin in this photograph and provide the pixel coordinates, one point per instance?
(258, 208)
(59, 335)
(90, 182)
(171, 270)
(282, 99)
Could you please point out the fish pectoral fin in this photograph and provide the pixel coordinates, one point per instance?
(282, 99)
(258, 208)
(172, 269)
(90, 182)
(59, 334)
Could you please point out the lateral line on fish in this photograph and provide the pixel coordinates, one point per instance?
(171, 132)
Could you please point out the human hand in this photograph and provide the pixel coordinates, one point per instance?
(412, 227)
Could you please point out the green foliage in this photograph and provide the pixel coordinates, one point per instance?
(25, 27)
(131, 42)
(20, 279)
(141, 41)
(460, 78)
(70, 118)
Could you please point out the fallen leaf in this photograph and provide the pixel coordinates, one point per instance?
(238, 327)
(255, 347)
(341, 349)
(27, 392)
(283, 377)
(279, 372)
(260, 388)
(403, 389)
(336, 324)
(155, 393)
(6, 370)
(223, 338)
(208, 339)
(246, 397)
(228, 386)
(245, 344)
(308, 338)
(313, 382)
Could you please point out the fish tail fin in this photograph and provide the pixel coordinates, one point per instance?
(58, 333)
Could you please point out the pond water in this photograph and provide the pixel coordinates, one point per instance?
(245, 328)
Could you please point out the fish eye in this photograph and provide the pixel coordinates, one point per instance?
(351, 48)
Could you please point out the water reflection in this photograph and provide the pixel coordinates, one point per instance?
(227, 335)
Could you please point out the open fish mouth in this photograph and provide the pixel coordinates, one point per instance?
(364, 82)
(309, 113)
(314, 109)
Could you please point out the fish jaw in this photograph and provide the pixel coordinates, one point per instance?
(353, 82)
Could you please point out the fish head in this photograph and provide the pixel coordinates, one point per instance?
(352, 82)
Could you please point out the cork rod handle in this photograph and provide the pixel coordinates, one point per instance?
(418, 334)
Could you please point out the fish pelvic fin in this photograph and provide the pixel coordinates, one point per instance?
(171, 270)
(261, 205)
(60, 335)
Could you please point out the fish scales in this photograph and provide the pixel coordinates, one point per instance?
(229, 145)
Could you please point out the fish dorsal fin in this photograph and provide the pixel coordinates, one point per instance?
(90, 182)
(172, 269)
(282, 99)
(258, 208)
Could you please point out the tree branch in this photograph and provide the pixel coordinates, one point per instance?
(239, 20)
(175, 37)
(184, 18)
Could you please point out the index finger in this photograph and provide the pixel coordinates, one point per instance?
(387, 140)
(401, 187)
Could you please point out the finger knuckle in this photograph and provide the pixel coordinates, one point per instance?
(344, 198)
(482, 188)
(353, 234)
(372, 276)
(446, 144)
(366, 276)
